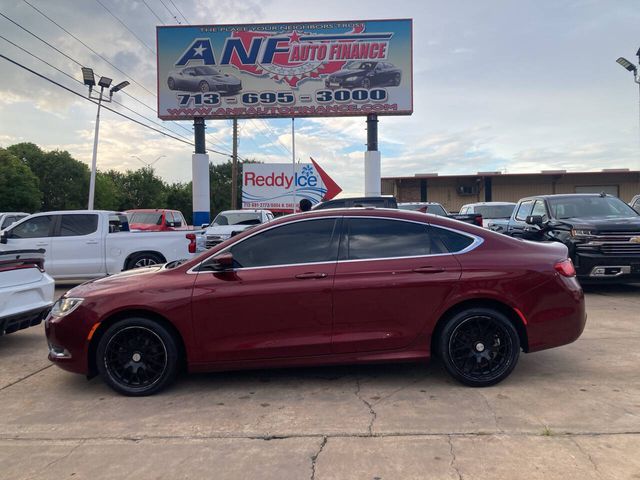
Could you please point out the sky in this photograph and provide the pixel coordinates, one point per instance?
(511, 86)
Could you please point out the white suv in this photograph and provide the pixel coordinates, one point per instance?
(26, 291)
(231, 222)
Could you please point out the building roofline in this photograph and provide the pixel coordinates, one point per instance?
(418, 176)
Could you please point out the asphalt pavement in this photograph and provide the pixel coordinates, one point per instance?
(570, 412)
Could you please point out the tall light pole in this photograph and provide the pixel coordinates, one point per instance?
(632, 68)
(104, 82)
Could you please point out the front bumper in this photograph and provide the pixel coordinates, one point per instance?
(341, 83)
(599, 267)
(68, 340)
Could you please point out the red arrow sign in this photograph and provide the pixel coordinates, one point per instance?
(332, 187)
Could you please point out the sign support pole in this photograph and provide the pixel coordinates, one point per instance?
(372, 159)
(293, 158)
(200, 175)
(234, 167)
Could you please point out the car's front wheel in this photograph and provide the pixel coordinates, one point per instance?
(171, 83)
(479, 347)
(204, 86)
(137, 357)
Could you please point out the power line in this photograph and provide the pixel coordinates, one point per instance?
(78, 81)
(87, 46)
(170, 12)
(181, 14)
(154, 13)
(125, 26)
(50, 80)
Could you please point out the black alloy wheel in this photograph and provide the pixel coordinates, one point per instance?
(143, 260)
(479, 347)
(171, 83)
(204, 86)
(137, 357)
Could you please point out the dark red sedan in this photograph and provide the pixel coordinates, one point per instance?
(327, 287)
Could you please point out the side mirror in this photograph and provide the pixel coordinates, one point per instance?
(204, 225)
(220, 263)
(534, 220)
(3, 237)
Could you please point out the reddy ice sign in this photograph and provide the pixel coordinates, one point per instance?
(271, 185)
(314, 69)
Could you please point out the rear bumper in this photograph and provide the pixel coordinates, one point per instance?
(20, 321)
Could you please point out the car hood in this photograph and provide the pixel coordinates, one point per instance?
(227, 229)
(628, 224)
(132, 278)
(348, 73)
(226, 79)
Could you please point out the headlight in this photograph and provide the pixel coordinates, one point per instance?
(351, 79)
(578, 232)
(65, 306)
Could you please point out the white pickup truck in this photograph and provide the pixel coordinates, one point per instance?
(93, 243)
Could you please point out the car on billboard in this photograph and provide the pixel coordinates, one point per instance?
(324, 288)
(365, 75)
(203, 79)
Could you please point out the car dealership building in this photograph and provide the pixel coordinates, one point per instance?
(453, 191)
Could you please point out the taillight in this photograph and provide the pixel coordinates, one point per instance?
(565, 268)
(192, 242)
(478, 220)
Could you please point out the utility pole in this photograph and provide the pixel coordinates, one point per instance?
(293, 158)
(234, 167)
(372, 159)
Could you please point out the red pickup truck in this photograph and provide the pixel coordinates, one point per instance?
(156, 220)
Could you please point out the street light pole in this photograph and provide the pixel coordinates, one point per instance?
(104, 82)
(636, 78)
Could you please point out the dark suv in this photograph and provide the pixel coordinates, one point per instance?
(378, 202)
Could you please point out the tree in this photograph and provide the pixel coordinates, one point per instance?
(18, 185)
(139, 188)
(108, 196)
(179, 198)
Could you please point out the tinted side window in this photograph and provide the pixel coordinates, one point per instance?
(379, 238)
(33, 228)
(539, 209)
(452, 242)
(524, 210)
(309, 241)
(78, 225)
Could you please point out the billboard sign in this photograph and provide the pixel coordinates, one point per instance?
(315, 69)
(271, 185)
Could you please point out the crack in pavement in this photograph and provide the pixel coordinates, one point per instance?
(53, 462)
(314, 458)
(452, 464)
(490, 408)
(586, 454)
(25, 377)
(372, 412)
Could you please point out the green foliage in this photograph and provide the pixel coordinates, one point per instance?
(35, 180)
(18, 185)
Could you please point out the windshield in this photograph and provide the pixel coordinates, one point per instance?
(590, 207)
(238, 218)
(207, 71)
(146, 218)
(494, 211)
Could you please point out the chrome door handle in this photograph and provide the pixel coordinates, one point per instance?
(428, 269)
(305, 276)
(42, 244)
(92, 242)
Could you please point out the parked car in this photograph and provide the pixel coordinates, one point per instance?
(203, 79)
(156, 220)
(437, 209)
(489, 210)
(635, 203)
(365, 75)
(326, 287)
(601, 232)
(94, 243)
(231, 222)
(9, 218)
(377, 202)
(26, 291)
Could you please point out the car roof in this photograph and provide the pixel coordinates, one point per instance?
(567, 195)
(247, 210)
(480, 204)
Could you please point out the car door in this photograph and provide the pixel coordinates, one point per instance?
(77, 247)
(517, 227)
(391, 278)
(277, 300)
(33, 233)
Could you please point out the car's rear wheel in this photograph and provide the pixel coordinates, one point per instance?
(143, 259)
(204, 86)
(479, 347)
(171, 83)
(137, 357)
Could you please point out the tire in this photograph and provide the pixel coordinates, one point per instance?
(479, 347)
(396, 79)
(203, 86)
(171, 83)
(143, 259)
(366, 83)
(137, 357)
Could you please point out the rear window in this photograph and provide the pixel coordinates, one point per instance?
(494, 211)
(150, 218)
